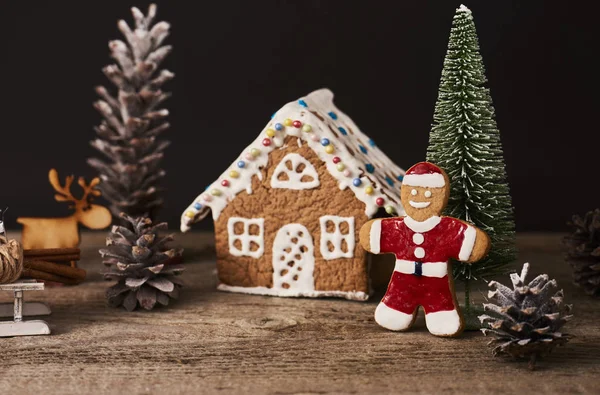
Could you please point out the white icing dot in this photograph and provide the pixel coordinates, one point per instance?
(418, 238)
(419, 252)
(413, 192)
(427, 193)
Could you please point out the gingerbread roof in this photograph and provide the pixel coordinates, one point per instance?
(349, 155)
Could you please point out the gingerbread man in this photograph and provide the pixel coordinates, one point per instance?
(423, 243)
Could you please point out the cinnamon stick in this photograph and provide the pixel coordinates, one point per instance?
(54, 258)
(40, 275)
(51, 251)
(58, 269)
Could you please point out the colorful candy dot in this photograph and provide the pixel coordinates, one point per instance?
(288, 122)
(371, 143)
(329, 149)
(332, 115)
(324, 141)
(343, 131)
(197, 206)
(389, 181)
(356, 182)
(278, 126)
(400, 178)
(270, 133)
(302, 103)
(234, 174)
(241, 164)
(370, 168)
(347, 173)
(369, 190)
(207, 197)
(362, 149)
(297, 124)
(249, 156)
(307, 128)
(225, 183)
(389, 210)
(336, 159)
(190, 214)
(379, 201)
(314, 137)
(255, 151)
(340, 167)
(215, 192)
(266, 143)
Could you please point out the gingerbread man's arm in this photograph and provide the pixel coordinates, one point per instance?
(481, 246)
(365, 235)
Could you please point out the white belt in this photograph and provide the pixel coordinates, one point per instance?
(428, 269)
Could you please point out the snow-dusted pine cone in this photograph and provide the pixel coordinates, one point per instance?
(133, 118)
(583, 251)
(145, 268)
(526, 320)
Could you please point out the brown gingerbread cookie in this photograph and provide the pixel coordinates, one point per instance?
(423, 243)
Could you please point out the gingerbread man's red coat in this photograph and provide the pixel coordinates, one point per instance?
(422, 251)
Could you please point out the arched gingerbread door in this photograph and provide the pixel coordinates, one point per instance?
(293, 259)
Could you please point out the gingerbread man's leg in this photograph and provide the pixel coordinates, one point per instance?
(397, 309)
(441, 309)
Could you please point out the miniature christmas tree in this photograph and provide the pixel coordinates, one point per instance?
(465, 142)
(527, 318)
(145, 268)
(583, 252)
(132, 119)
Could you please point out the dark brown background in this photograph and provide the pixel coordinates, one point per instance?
(236, 62)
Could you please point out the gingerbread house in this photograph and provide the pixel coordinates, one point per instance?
(288, 211)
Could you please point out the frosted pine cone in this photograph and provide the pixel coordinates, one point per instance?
(583, 252)
(133, 118)
(526, 319)
(146, 270)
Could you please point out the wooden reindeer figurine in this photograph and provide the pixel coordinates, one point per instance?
(43, 233)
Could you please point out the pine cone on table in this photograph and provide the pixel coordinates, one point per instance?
(146, 269)
(583, 251)
(133, 118)
(526, 320)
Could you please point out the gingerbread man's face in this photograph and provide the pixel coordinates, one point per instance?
(421, 203)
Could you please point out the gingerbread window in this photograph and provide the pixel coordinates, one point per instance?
(337, 237)
(295, 172)
(246, 236)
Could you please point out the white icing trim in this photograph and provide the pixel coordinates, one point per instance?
(294, 178)
(291, 293)
(246, 238)
(391, 319)
(418, 204)
(375, 237)
(433, 180)
(336, 237)
(302, 268)
(443, 323)
(428, 269)
(468, 243)
(354, 163)
(424, 226)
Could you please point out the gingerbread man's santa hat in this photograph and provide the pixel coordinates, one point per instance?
(426, 175)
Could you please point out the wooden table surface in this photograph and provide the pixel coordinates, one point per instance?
(216, 342)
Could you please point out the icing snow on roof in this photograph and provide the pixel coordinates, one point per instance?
(350, 156)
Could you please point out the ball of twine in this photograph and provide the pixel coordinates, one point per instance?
(11, 261)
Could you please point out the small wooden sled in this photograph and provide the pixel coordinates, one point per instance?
(18, 327)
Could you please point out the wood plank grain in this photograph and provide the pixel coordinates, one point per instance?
(210, 341)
